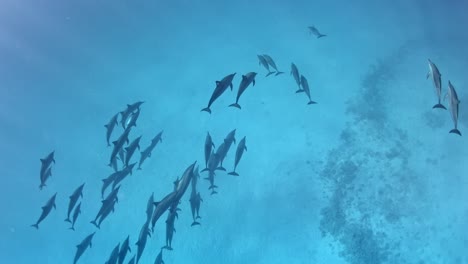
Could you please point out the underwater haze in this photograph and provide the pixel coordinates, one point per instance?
(368, 174)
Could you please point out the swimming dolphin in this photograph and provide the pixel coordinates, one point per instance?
(184, 182)
(150, 208)
(125, 172)
(305, 87)
(124, 249)
(122, 155)
(108, 181)
(195, 201)
(272, 63)
(161, 207)
(223, 149)
(170, 229)
(114, 165)
(107, 204)
(73, 199)
(209, 145)
(247, 79)
(147, 152)
(159, 258)
(240, 150)
(76, 213)
(131, 149)
(114, 257)
(110, 127)
(45, 171)
(131, 108)
(47, 174)
(118, 144)
(131, 122)
(142, 239)
(46, 210)
(107, 208)
(314, 31)
(454, 102)
(297, 77)
(436, 77)
(262, 61)
(81, 248)
(221, 87)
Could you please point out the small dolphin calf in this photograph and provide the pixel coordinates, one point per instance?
(454, 102)
(221, 87)
(81, 248)
(145, 154)
(73, 200)
(76, 213)
(46, 172)
(131, 149)
(272, 63)
(46, 210)
(247, 79)
(110, 127)
(170, 229)
(297, 77)
(314, 31)
(45, 177)
(209, 145)
(195, 202)
(124, 249)
(437, 80)
(305, 87)
(240, 150)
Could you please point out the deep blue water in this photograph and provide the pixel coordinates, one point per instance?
(370, 174)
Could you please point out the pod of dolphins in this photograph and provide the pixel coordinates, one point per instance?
(123, 151)
(451, 95)
(121, 155)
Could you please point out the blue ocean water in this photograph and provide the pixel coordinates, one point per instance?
(369, 174)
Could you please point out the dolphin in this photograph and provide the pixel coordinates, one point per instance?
(131, 122)
(150, 208)
(247, 79)
(240, 150)
(110, 127)
(161, 207)
(184, 182)
(297, 77)
(121, 155)
(107, 204)
(305, 87)
(221, 87)
(272, 63)
(209, 145)
(46, 210)
(131, 149)
(118, 144)
(73, 200)
(170, 229)
(131, 108)
(454, 102)
(114, 257)
(314, 31)
(108, 181)
(436, 77)
(223, 149)
(108, 207)
(76, 213)
(124, 249)
(195, 177)
(195, 201)
(142, 239)
(47, 174)
(81, 248)
(159, 258)
(114, 165)
(147, 152)
(125, 172)
(262, 61)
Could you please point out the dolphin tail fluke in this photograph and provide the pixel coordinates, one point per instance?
(321, 36)
(68, 220)
(235, 105)
(35, 226)
(278, 73)
(206, 109)
(72, 228)
(139, 168)
(42, 186)
(167, 248)
(439, 106)
(269, 73)
(195, 223)
(300, 91)
(95, 224)
(311, 102)
(455, 131)
(198, 217)
(205, 169)
(221, 168)
(233, 173)
(214, 192)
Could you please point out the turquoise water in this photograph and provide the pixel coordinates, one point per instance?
(370, 174)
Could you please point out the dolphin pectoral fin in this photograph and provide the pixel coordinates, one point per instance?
(455, 131)
(235, 105)
(245, 148)
(428, 75)
(207, 109)
(253, 82)
(439, 106)
(232, 87)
